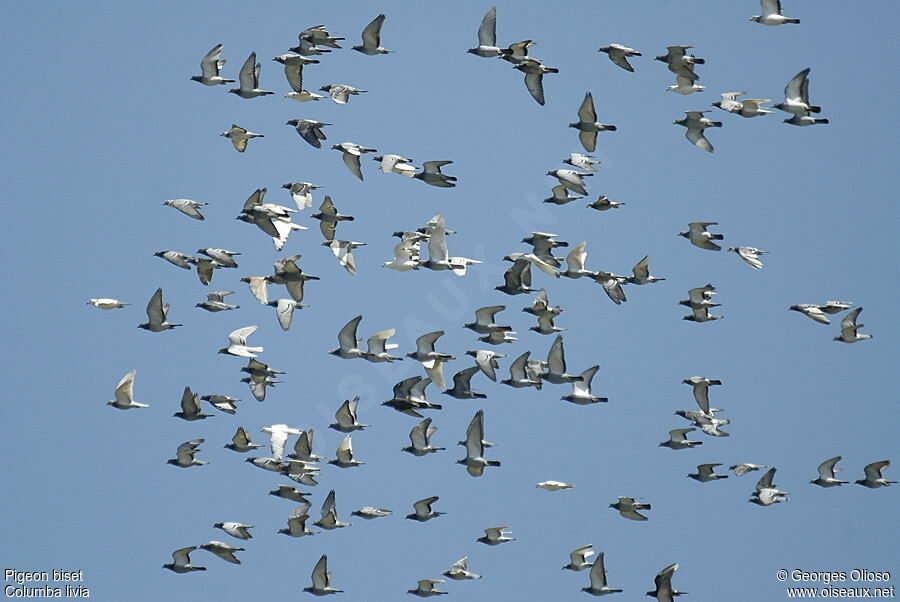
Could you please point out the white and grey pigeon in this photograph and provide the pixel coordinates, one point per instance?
(341, 93)
(561, 195)
(303, 449)
(319, 35)
(588, 127)
(604, 204)
(431, 174)
(874, 478)
(351, 154)
(249, 79)
(545, 324)
(663, 590)
(422, 510)
(425, 588)
(685, 85)
(700, 297)
(599, 585)
(680, 62)
(206, 267)
(293, 71)
(237, 530)
(176, 258)
(406, 256)
(556, 364)
(310, 130)
(181, 561)
(578, 558)
(494, 536)
(459, 571)
(321, 579)
(222, 550)
(695, 123)
(541, 305)
(188, 207)
(378, 347)
(575, 262)
(699, 236)
(215, 302)
(223, 257)
(850, 328)
(157, 314)
(475, 461)
(581, 161)
(329, 520)
(487, 362)
(641, 273)
(534, 72)
(817, 312)
(261, 376)
(371, 512)
(701, 385)
(740, 470)
(554, 485)
(519, 375)
(628, 508)
(438, 255)
(184, 454)
(348, 344)
(210, 66)
(420, 439)
(804, 120)
(484, 319)
(190, 407)
(344, 454)
(292, 494)
(124, 394)
(346, 420)
(297, 524)
(706, 473)
(619, 55)
(678, 439)
(581, 390)
(240, 442)
(487, 36)
(773, 14)
(239, 137)
(747, 107)
(396, 164)
(284, 311)
(105, 303)
(343, 252)
(767, 492)
(371, 38)
(796, 96)
(237, 343)
(571, 179)
(612, 285)
(826, 474)
(301, 193)
(750, 255)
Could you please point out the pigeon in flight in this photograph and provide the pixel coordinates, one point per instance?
(329, 217)
(873, 479)
(344, 455)
(817, 312)
(184, 455)
(520, 376)
(685, 85)
(290, 493)
(826, 474)
(699, 236)
(343, 252)
(748, 107)
(124, 394)
(181, 561)
(406, 256)
(554, 485)
(740, 470)
(517, 279)
(370, 512)
(766, 492)
(663, 590)
(750, 255)
(210, 66)
(106, 303)
(176, 258)
(351, 154)
(278, 435)
(556, 364)
(205, 268)
(599, 586)
(396, 164)
(561, 195)
(796, 96)
(619, 55)
(329, 520)
(581, 389)
(772, 14)
(348, 343)
(588, 126)
(804, 120)
(581, 161)
(284, 311)
(603, 204)
(701, 387)
(431, 174)
(425, 588)
(157, 314)
(628, 508)
(578, 558)
(310, 130)
(188, 207)
(321, 579)
(240, 442)
(706, 473)
(849, 328)
(494, 536)
(484, 319)
(575, 262)
(341, 93)
(249, 79)
(215, 302)
(474, 461)
(190, 407)
(237, 343)
(371, 38)
(641, 273)
(301, 193)
(293, 71)
(423, 511)
(239, 137)
(571, 179)
(695, 123)
(238, 530)
(487, 362)
(420, 439)
(462, 384)
(459, 571)
(297, 523)
(534, 72)
(487, 36)
(223, 551)
(346, 417)
(678, 439)
(680, 62)
(319, 36)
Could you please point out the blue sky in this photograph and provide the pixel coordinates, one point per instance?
(103, 124)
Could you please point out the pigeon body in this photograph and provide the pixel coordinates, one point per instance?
(619, 55)
(157, 314)
(341, 93)
(124, 394)
(210, 66)
(850, 328)
(599, 585)
(700, 237)
(773, 14)
(628, 508)
(826, 474)
(249, 79)
(106, 303)
(239, 137)
(696, 123)
(371, 38)
(238, 530)
(874, 478)
(494, 536)
(181, 561)
(588, 126)
(188, 207)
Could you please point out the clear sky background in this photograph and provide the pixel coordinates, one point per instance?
(103, 124)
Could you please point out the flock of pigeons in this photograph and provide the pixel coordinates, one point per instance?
(409, 395)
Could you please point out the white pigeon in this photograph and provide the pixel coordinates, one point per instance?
(750, 255)
(157, 314)
(554, 485)
(619, 55)
(459, 571)
(351, 154)
(581, 161)
(575, 262)
(588, 126)
(685, 85)
(772, 14)
(124, 394)
(238, 530)
(222, 550)
(321, 579)
(188, 207)
(747, 107)
(698, 235)
(599, 585)
(581, 389)
(341, 93)
(371, 512)
(425, 588)
(695, 123)
(406, 256)
(181, 561)
(494, 536)
(874, 479)
(571, 179)
(371, 38)
(796, 96)
(237, 343)
(396, 164)
(249, 79)
(628, 508)
(104, 303)
(210, 66)
(817, 312)
(278, 434)
(487, 36)
(826, 474)
(578, 558)
(849, 328)
(239, 137)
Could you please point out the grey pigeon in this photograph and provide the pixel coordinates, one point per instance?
(188, 207)
(588, 126)
(157, 314)
(215, 302)
(249, 79)
(239, 137)
(210, 66)
(826, 474)
(310, 130)
(341, 93)
(371, 38)
(181, 561)
(695, 123)
(619, 55)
